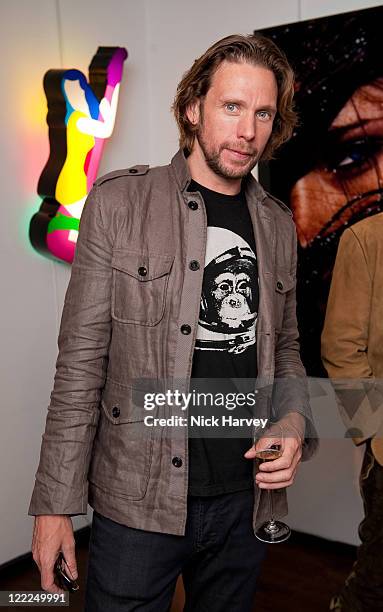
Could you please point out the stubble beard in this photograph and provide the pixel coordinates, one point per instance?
(213, 158)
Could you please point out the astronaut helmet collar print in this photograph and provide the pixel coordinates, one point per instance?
(228, 311)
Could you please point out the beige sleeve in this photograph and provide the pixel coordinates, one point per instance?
(345, 332)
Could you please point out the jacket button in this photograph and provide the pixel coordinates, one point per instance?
(194, 265)
(279, 285)
(193, 205)
(185, 329)
(133, 170)
(177, 462)
(142, 271)
(116, 412)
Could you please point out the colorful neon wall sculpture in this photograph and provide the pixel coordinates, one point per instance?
(81, 117)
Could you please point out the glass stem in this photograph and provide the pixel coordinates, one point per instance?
(271, 508)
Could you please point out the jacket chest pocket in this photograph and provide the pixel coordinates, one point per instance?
(283, 283)
(139, 286)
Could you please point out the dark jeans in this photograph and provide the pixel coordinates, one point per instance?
(219, 559)
(363, 590)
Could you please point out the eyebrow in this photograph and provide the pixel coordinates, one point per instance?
(271, 109)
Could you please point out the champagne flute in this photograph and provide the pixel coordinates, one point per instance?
(272, 531)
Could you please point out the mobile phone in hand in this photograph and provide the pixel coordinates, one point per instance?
(62, 579)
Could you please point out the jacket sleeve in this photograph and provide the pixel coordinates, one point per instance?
(345, 332)
(290, 393)
(83, 342)
(344, 341)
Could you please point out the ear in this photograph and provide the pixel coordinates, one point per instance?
(193, 111)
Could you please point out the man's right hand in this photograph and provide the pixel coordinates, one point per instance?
(52, 533)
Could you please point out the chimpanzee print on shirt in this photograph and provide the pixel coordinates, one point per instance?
(226, 336)
(229, 302)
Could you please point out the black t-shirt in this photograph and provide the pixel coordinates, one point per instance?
(226, 339)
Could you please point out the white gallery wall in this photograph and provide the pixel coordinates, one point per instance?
(163, 37)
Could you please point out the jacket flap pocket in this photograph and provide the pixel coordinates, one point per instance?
(284, 281)
(122, 404)
(142, 266)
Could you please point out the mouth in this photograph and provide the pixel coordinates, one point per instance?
(240, 154)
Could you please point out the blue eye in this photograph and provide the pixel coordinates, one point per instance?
(231, 107)
(264, 114)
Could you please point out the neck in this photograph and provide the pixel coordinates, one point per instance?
(205, 176)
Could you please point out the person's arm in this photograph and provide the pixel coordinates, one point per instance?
(345, 340)
(61, 480)
(290, 399)
(345, 332)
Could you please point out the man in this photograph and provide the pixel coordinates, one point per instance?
(352, 351)
(140, 306)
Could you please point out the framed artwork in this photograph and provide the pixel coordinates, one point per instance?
(331, 172)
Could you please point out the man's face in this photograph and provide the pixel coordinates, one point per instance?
(235, 118)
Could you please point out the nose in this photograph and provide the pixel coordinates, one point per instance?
(246, 126)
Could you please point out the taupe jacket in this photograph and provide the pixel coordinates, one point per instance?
(352, 338)
(131, 312)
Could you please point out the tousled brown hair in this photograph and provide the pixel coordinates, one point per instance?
(254, 49)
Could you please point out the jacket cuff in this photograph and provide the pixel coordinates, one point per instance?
(42, 501)
(309, 435)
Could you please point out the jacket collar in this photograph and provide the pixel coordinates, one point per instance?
(253, 189)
